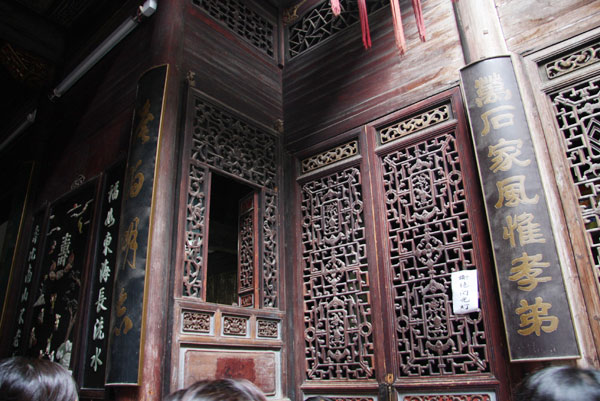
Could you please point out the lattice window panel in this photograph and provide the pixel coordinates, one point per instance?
(577, 112)
(319, 24)
(269, 243)
(430, 237)
(243, 21)
(229, 144)
(232, 145)
(195, 231)
(338, 335)
(246, 246)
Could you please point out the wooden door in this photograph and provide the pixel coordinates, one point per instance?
(384, 218)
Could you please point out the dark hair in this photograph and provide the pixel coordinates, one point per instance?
(32, 379)
(317, 398)
(561, 383)
(219, 390)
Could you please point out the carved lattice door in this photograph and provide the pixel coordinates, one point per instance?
(247, 256)
(384, 220)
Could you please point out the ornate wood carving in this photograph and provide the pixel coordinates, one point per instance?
(267, 328)
(196, 322)
(24, 66)
(330, 156)
(351, 398)
(229, 144)
(195, 231)
(573, 61)
(338, 333)
(417, 123)
(430, 237)
(577, 114)
(448, 397)
(243, 21)
(319, 24)
(246, 261)
(235, 325)
(269, 243)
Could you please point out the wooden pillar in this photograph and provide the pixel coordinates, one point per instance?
(479, 29)
(164, 37)
(481, 36)
(167, 37)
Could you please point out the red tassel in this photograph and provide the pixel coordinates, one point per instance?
(419, 17)
(364, 23)
(335, 7)
(398, 30)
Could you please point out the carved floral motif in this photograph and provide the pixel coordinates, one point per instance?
(267, 328)
(329, 157)
(197, 322)
(573, 61)
(235, 325)
(419, 122)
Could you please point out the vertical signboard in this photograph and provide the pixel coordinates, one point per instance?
(56, 304)
(101, 286)
(13, 200)
(135, 228)
(536, 311)
(32, 257)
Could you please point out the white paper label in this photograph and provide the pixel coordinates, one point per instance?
(465, 295)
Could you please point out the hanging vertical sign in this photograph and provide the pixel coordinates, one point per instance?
(537, 317)
(101, 286)
(135, 227)
(56, 307)
(32, 256)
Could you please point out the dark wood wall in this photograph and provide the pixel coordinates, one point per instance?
(338, 85)
(229, 69)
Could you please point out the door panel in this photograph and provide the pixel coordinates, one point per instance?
(338, 333)
(411, 211)
(428, 236)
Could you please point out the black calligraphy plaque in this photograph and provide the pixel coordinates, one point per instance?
(27, 284)
(536, 311)
(135, 227)
(56, 303)
(13, 201)
(101, 286)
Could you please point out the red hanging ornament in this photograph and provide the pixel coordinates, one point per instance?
(336, 9)
(364, 23)
(398, 30)
(419, 18)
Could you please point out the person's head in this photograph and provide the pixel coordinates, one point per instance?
(561, 383)
(318, 398)
(32, 379)
(219, 390)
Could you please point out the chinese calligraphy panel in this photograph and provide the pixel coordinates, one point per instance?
(535, 306)
(135, 228)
